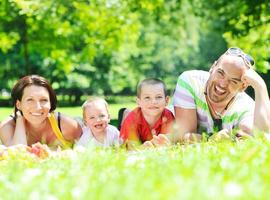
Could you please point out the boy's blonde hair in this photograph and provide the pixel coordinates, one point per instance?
(150, 81)
(93, 99)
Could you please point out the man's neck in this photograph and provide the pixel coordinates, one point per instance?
(218, 109)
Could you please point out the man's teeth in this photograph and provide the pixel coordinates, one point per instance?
(219, 90)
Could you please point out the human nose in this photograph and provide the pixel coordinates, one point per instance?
(38, 105)
(224, 82)
(154, 100)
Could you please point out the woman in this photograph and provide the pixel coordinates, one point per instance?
(34, 119)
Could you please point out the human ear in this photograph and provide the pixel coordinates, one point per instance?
(243, 87)
(138, 101)
(109, 118)
(18, 105)
(167, 98)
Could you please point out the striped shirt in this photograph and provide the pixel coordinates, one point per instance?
(189, 94)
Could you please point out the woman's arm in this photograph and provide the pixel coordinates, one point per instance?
(71, 129)
(12, 133)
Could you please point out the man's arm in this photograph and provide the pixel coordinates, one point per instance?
(183, 131)
(185, 122)
(262, 105)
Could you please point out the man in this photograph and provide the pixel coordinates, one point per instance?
(215, 101)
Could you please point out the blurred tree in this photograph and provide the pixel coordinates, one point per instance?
(244, 23)
(107, 46)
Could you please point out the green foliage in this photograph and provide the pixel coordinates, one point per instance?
(245, 24)
(106, 47)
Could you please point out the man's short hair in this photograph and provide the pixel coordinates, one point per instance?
(150, 81)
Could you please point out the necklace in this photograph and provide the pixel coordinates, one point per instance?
(217, 114)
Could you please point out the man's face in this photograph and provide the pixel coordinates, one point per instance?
(225, 79)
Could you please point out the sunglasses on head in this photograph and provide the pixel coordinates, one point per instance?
(235, 51)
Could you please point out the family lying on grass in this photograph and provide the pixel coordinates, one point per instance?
(206, 106)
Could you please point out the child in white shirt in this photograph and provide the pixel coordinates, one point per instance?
(97, 130)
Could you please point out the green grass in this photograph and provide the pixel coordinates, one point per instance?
(74, 111)
(202, 171)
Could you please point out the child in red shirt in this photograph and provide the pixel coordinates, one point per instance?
(150, 117)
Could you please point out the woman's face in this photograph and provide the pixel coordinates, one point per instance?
(35, 104)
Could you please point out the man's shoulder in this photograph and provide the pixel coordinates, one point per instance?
(243, 102)
(195, 73)
(243, 96)
(194, 76)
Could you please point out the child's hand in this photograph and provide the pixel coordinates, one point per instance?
(148, 144)
(160, 140)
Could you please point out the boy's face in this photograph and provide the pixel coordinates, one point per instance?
(96, 117)
(152, 99)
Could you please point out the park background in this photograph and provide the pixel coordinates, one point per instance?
(105, 47)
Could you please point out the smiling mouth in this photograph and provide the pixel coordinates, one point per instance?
(219, 90)
(153, 108)
(36, 114)
(98, 126)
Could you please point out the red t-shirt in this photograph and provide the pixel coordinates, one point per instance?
(136, 128)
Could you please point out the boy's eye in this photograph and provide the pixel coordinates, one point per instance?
(159, 97)
(146, 98)
(91, 117)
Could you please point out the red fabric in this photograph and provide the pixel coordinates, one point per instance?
(136, 128)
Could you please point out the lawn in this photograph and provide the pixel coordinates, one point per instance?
(74, 111)
(199, 171)
(226, 170)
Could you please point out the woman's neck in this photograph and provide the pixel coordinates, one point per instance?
(37, 128)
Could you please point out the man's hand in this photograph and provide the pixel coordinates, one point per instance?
(222, 135)
(253, 79)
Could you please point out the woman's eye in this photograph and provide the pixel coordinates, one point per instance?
(44, 100)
